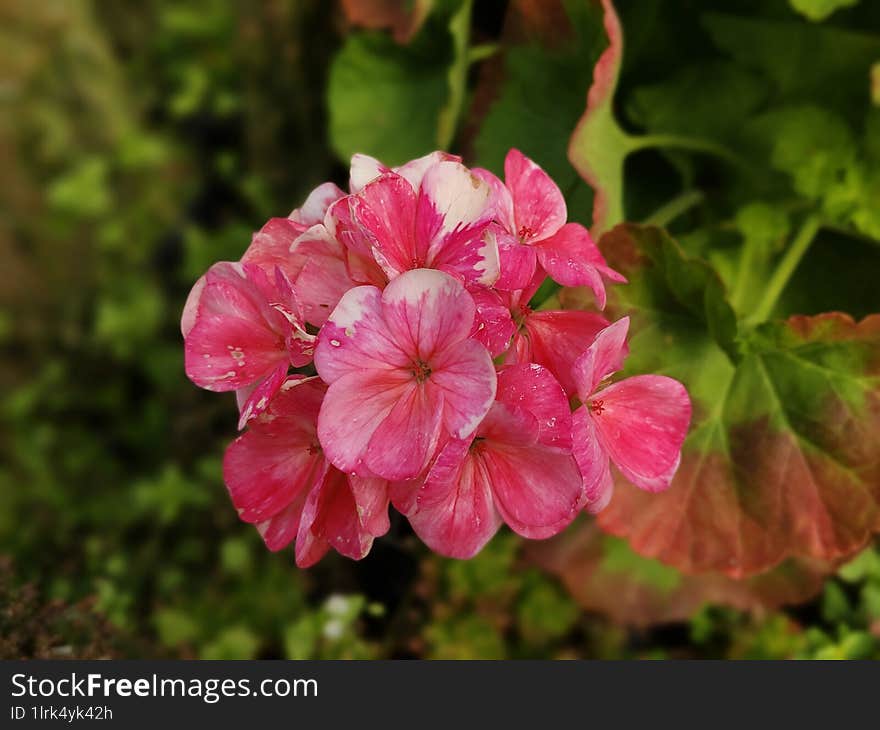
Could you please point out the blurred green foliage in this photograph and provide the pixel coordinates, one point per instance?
(142, 142)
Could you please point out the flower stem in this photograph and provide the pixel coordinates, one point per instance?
(786, 268)
(668, 212)
(692, 144)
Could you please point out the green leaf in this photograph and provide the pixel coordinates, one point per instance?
(384, 99)
(782, 458)
(817, 10)
(539, 101)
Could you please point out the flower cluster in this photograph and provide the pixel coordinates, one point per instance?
(383, 351)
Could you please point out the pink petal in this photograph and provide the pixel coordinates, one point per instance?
(371, 497)
(539, 208)
(493, 326)
(592, 461)
(642, 423)
(354, 407)
(466, 377)
(406, 440)
(500, 201)
(234, 338)
(538, 491)
(517, 262)
(270, 246)
(278, 531)
(315, 207)
(572, 259)
(278, 457)
(452, 216)
(535, 390)
(355, 338)
(330, 517)
(455, 514)
(555, 339)
(602, 358)
(427, 311)
(258, 398)
(386, 210)
(324, 277)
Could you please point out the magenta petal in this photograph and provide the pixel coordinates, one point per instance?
(493, 326)
(280, 529)
(539, 208)
(455, 514)
(330, 517)
(354, 407)
(534, 389)
(258, 398)
(517, 262)
(538, 491)
(386, 210)
(234, 338)
(451, 221)
(191, 307)
(270, 246)
(602, 358)
(406, 440)
(314, 208)
(277, 458)
(591, 460)
(556, 339)
(572, 259)
(642, 422)
(466, 377)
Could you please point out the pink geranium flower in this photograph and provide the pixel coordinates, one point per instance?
(280, 481)
(517, 468)
(530, 214)
(243, 329)
(639, 423)
(402, 373)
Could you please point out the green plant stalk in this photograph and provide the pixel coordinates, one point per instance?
(460, 30)
(668, 212)
(786, 268)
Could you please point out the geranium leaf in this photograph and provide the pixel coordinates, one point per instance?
(783, 458)
(385, 99)
(603, 574)
(817, 10)
(598, 146)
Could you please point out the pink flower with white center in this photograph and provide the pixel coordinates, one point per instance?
(441, 226)
(639, 423)
(530, 214)
(402, 373)
(517, 468)
(243, 329)
(280, 481)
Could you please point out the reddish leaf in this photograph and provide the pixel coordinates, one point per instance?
(604, 575)
(783, 457)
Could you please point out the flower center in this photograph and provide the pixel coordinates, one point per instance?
(421, 371)
(314, 449)
(525, 233)
(597, 407)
